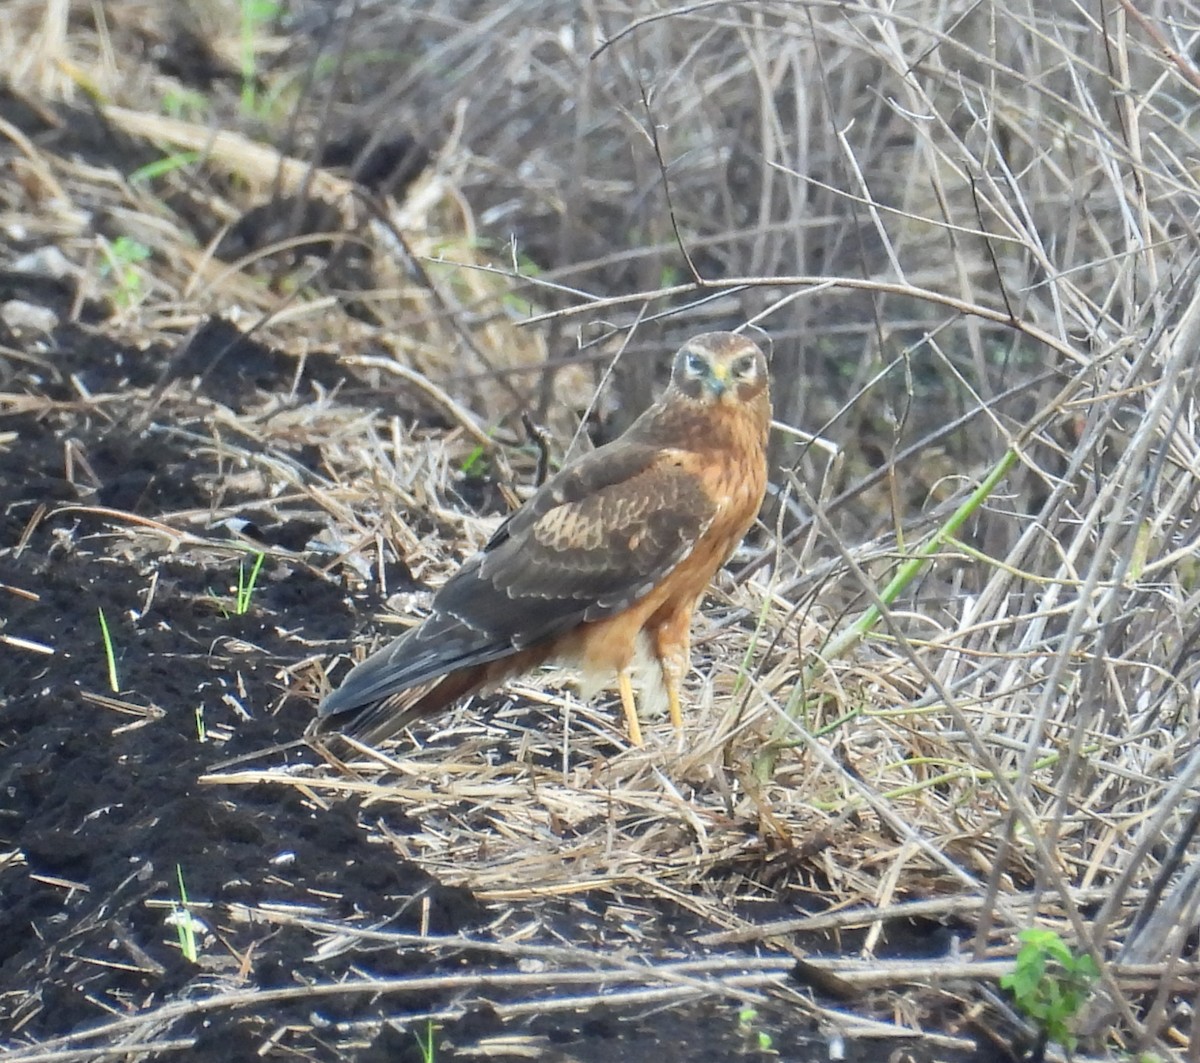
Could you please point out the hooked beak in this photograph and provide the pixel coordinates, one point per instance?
(718, 380)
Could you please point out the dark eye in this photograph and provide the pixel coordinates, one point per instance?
(744, 366)
(695, 364)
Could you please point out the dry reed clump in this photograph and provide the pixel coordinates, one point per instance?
(970, 232)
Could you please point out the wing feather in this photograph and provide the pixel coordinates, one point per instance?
(589, 544)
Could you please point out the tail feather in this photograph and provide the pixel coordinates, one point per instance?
(416, 676)
(377, 721)
(410, 661)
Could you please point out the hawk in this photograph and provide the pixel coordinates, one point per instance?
(602, 568)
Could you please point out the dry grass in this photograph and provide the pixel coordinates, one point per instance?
(979, 214)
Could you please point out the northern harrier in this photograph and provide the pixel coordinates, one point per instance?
(602, 568)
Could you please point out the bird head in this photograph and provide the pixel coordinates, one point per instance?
(719, 367)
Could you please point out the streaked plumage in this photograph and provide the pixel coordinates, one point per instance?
(611, 553)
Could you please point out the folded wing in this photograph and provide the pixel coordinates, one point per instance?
(592, 541)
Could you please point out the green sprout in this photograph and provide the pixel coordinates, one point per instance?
(184, 103)
(1050, 984)
(109, 654)
(425, 1044)
(121, 259)
(161, 167)
(185, 923)
(201, 729)
(474, 461)
(246, 583)
(747, 1027)
(255, 14)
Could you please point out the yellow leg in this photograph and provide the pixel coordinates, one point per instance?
(674, 644)
(625, 685)
(671, 678)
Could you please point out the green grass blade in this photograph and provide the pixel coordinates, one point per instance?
(110, 655)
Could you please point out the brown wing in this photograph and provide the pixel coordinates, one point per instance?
(591, 542)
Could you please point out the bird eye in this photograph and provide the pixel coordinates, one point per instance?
(744, 366)
(695, 364)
